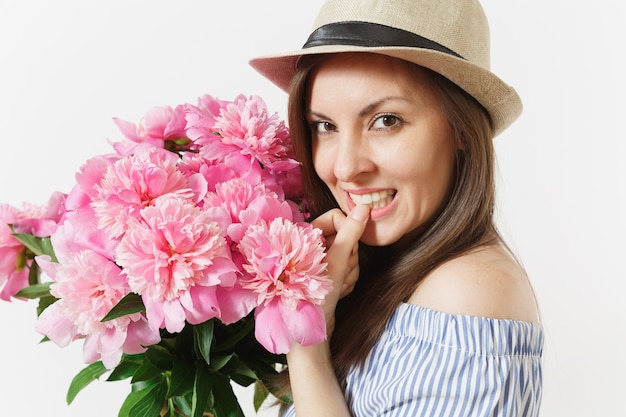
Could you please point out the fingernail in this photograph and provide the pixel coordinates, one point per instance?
(360, 213)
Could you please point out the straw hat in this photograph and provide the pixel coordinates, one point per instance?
(451, 37)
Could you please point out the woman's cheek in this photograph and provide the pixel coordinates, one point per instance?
(323, 163)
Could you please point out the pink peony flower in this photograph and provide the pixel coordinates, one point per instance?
(286, 271)
(15, 260)
(289, 182)
(158, 126)
(79, 228)
(79, 231)
(220, 166)
(88, 177)
(88, 285)
(13, 264)
(246, 124)
(41, 220)
(247, 204)
(109, 344)
(133, 183)
(175, 255)
(201, 117)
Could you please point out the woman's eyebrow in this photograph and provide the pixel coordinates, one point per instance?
(365, 111)
(315, 114)
(371, 107)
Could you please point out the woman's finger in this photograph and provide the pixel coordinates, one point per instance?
(329, 222)
(349, 230)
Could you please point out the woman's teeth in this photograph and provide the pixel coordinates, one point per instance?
(375, 200)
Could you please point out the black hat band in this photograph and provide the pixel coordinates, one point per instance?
(371, 35)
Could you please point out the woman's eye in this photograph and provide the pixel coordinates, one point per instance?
(322, 127)
(386, 121)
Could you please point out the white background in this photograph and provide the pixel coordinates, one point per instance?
(68, 67)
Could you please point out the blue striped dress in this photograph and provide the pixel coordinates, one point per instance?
(429, 364)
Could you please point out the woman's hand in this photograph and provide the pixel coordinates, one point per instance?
(342, 234)
(314, 385)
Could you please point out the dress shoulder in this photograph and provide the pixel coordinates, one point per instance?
(471, 334)
(430, 363)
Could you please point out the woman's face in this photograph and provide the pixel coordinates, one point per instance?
(380, 138)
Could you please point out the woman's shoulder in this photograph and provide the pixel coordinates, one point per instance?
(486, 282)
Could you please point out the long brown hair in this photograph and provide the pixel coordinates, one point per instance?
(390, 275)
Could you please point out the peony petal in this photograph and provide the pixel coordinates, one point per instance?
(15, 282)
(174, 316)
(306, 324)
(127, 128)
(56, 326)
(90, 350)
(270, 329)
(235, 303)
(154, 313)
(204, 304)
(108, 347)
(47, 266)
(139, 335)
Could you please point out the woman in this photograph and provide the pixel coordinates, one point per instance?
(392, 111)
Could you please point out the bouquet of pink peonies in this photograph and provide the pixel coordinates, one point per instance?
(182, 259)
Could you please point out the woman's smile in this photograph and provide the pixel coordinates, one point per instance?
(376, 200)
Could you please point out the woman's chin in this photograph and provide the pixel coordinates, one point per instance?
(385, 236)
(373, 237)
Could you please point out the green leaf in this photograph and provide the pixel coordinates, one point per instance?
(220, 361)
(240, 372)
(226, 403)
(201, 394)
(45, 302)
(146, 372)
(127, 367)
(243, 380)
(181, 379)
(130, 304)
(203, 338)
(149, 389)
(160, 357)
(269, 383)
(37, 245)
(260, 395)
(33, 274)
(179, 407)
(35, 291)
(240, 334)
(151, 404)
(84, 378)
(130, 400)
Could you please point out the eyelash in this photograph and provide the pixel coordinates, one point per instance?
(316, 125)
(397, 121)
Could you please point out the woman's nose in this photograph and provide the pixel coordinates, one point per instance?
(352, 158)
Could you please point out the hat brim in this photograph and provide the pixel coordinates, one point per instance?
(499, 99)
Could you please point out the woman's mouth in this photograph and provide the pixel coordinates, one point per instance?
(376, 200)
